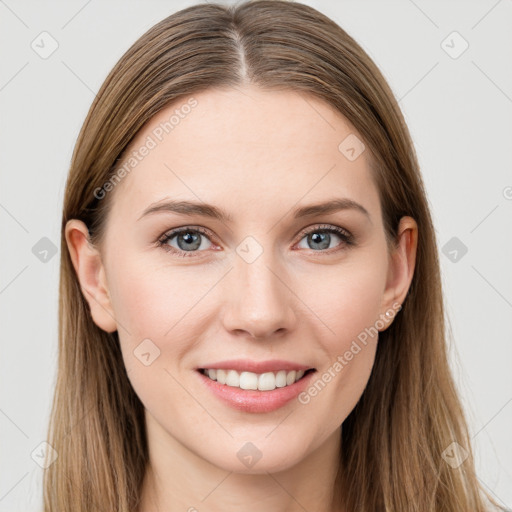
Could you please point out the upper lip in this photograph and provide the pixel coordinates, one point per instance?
(245, 365)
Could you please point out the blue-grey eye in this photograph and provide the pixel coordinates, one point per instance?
(188, 240)
(320, 239)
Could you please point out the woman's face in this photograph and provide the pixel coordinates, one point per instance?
(271, 281)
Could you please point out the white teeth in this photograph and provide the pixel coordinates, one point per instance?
(249, 380)
(290, 377)
(221, 376)
(280, 379)
(233, 379)
(267, 382)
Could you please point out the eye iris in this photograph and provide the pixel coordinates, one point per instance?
(190, 238)
(316, 238)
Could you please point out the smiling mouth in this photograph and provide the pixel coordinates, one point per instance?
(267, 381)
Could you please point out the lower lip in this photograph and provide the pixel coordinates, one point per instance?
(254, 401)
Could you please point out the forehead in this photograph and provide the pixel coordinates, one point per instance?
(245, 149)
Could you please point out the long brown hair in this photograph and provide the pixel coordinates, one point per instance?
(409, 414)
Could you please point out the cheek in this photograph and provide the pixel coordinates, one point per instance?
(140, 301)
(350, 299)
(150, 299)
(154, 308)
(161, 303)
(349, 305)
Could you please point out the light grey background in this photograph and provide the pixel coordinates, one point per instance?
(459, 111)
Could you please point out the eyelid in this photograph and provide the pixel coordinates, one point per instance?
(326, 227)
(176, 231)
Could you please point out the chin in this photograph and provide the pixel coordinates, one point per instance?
(258, 456)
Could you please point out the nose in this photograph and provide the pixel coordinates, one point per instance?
(259, 300)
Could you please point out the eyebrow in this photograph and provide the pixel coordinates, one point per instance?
(190, 208)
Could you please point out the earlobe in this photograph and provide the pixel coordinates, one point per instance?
(402, 262)
(91, 274)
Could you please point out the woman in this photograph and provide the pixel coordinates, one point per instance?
(251, 312)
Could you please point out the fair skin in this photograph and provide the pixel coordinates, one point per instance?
(258, 155)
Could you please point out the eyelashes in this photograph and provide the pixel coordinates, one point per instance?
(163, 242)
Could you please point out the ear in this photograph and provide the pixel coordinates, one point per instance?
(402, 261)
(91, 274)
